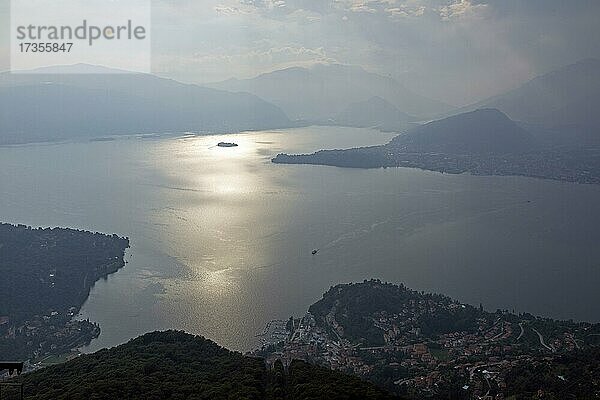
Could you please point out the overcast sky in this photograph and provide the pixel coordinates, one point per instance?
(458, 51)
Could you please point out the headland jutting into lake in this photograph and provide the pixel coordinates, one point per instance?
(47, 275)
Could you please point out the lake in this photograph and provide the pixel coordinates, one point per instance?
(222, 239)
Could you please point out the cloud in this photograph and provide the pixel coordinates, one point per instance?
(263, 6)
(446, 10)
(462, 9)
(275, 56)
(362, 6)
(406, 10)
(228, 10)
(215, 66)
(454, 50)
(304, 16)
(268, 4)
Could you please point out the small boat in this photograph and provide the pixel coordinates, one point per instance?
(315, 251)
(227, 144)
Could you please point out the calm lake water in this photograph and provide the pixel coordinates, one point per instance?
(222, 239)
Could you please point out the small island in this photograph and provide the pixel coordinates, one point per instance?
(47, 274)
(227, 144)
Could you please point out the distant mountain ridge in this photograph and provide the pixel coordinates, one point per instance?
(55, 106)
(477, 132)
(374, 113)
(565, 101)
(323, 91)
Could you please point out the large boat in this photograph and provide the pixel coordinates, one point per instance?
(315, 251)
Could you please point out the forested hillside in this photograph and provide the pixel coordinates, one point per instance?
(176, 365)
(46, 276)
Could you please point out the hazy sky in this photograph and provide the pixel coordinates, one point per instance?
(457, 51)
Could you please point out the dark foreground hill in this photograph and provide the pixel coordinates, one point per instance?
(176, 365)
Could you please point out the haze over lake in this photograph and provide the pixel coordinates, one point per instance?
(222, 238)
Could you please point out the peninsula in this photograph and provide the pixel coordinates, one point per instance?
(421, 345)
(482, 142)
(47, 275)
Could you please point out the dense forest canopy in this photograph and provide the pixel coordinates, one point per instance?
(176, 365)
(356, 303)
(46, 270)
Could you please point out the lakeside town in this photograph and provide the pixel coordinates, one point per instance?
(411, 347)
(574, 165)
(48, 339)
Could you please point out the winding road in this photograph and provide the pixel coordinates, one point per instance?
(542, 340)
(522, 331)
